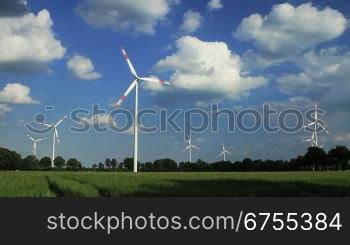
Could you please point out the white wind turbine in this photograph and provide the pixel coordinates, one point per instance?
(189, 148)
(224, 152)
(35, 143)
(55, 137)
(135, 84)
(316, 123)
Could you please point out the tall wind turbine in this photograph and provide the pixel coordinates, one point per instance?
(35, 141)
(189, 148)
(224, 152)
(135, 84)
(316, 123)
(55, 137)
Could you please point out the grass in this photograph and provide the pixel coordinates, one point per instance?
(107, 184)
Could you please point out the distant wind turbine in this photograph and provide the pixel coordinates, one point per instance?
(316, 123)
(189, 148)
(224, 152)
(35, 141)
(55, 137)
(135, 84)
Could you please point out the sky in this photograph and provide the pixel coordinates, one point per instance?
(66, 55)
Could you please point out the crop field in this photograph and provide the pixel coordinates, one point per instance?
(108, 184)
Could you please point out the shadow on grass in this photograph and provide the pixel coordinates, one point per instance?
(240, 188)
(223, 188)
(54, 188)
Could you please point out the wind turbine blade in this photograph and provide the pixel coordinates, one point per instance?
(60, 121)
(319, 124)
(127, 92)
(56, 133)
(131, 67)
(31, 138)
(45, 124)
(186, 148)
(195, 147)
(149, 79)
(310, 124)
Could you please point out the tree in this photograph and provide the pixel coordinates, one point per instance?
(45, 163)
(108, 163)
(9, 160)
(128, 164)
(59, 162)
(101, 166)
(30, 163)
(73, 164)
(315, 157)
(164, 165)
(114, 163)
(147, 167)
(341, 155)
(94, 166)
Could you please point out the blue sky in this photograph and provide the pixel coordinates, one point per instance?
(66, 54)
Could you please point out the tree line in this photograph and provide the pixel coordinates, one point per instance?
(315, 159)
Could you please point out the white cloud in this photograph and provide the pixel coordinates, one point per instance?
(322, 72)
(208, 69)
(123, 15)
(287, 31)
(341, 138)
(297, 102)
(16, 93)
(4, 109)
(99, 119)
(82, 68)
(192, 21)
(27, 42)
(214, 5)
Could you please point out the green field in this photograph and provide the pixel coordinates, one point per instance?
(107, 184)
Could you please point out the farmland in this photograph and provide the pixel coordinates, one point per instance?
(210, 184)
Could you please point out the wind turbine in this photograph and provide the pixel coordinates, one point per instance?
(55, 137)
(224, 152)
(35, 143)
(189, 148)
(135, 84)
(312, 140)
(316, 123)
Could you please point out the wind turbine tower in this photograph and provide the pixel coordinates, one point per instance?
(135, 84)
(55, 137)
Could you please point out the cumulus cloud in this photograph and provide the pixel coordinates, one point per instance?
(206, 71)
(322, 72)
(82, 68)
(140, 16)
(28, 43)
(297, 102)
(4, 109)
(192, 21)
(214, 5)
(16, 93)
(99, 119)
(341, 138)
(12, 7)
(287, 31)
